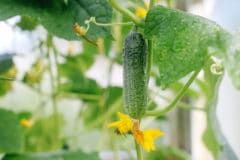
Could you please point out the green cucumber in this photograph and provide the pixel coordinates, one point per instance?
(134, 75)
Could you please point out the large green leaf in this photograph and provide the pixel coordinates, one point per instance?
(213, 136)
(11, 136)
(180, 41)
(55, 156)
(59, 17)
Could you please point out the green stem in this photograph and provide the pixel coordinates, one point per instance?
(6, 78)
(138, 151)
(53, 87)
(189, 107)
(113, 24)
(181, 104)
(169, 3)
(150, 50)
(184, 105)
(126, 13)
(118, 33)
(151, 4)
(80, 96)
(149, 59)
(178, 97)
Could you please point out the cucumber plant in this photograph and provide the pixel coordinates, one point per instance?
(165, 44)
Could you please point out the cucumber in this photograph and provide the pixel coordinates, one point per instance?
(134, 75)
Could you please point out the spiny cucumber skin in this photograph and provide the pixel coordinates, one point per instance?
(134, 75)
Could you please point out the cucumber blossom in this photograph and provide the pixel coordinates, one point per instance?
(134, 75)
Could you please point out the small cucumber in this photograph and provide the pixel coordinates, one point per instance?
(134, 75)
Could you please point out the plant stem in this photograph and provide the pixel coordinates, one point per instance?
(118, 33)
(181, 104)
(151, 4)
(53, 88)
(149, 60)
(6, 78)
(150, 50)
(113, 24)
(90, 97)
(184, 105)
(169, 3)
(178, 97)
(138, 151)
(126, 13)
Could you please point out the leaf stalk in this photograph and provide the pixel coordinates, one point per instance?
(178, 97)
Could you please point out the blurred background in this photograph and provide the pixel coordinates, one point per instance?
(32, 93)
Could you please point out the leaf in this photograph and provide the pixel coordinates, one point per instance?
(73, 79)
(11, 135)
(41, 136)
(167, 153)
(58, 17)
(27, 23)
(54, 156)
(24, 115)
(213, 137)
(6, 85)
(6, 62)
(232, 60)
(180, 41)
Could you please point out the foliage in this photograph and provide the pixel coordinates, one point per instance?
(11, 134)
(178, 49)
(6, 61)
(27, 23)
(54, 156)
(48, 12)
(7, 70)
(172, 44)
(41, 137)
(213, 136)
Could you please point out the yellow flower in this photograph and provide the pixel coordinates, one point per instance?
(146, 138)
(123, 125)
(27, 123)
(140, 12)
(81, 31)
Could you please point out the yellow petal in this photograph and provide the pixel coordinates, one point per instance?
(140, 12)
(149, 137)
(146, 138)
(114, 124)
(124, 124)
(153, 133)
